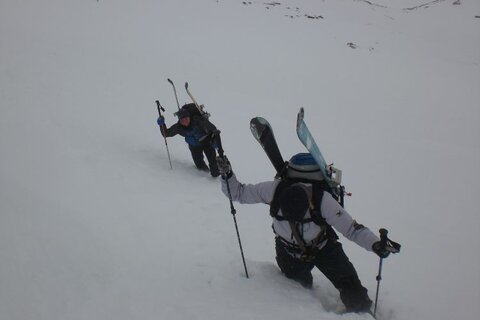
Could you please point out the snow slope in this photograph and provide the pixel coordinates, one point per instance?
(95, 225)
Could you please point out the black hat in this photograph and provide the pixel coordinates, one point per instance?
(182, 113)
(294, 202)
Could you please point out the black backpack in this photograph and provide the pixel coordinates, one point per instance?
(303, 168)
(193, 111)
(315, 208)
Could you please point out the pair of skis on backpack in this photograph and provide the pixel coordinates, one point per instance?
(263, 133)
(200, 107)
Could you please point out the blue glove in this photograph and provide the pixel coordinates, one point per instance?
(161, 121)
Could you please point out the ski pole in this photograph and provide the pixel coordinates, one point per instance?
(232, 208)
(175, 92)
(159, 107)
(233, 211)
(383, 240)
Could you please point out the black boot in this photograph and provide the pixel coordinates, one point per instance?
(356, 299)
(214, 171)
(202, 166)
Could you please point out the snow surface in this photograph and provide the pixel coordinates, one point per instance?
(95, 225)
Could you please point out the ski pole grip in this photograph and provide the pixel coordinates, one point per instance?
(159, 107)
(383, 235)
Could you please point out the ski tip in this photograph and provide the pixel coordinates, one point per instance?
(186, 85)
(168, 79)
(259, 126)
(253, 124)
(259, 121)
(300, 115)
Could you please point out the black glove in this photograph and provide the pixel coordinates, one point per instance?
(215, 133)
(224, 167)
(211, 138)
(380, 249)
(385, 246)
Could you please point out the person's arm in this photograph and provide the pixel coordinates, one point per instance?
(342, 221)
(172, 131)
(249, 193)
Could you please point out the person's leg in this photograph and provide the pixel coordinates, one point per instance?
(334, 264)
(197, 156)
(212, 160)
(293, 268)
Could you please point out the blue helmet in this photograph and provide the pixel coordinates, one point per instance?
(303, 166)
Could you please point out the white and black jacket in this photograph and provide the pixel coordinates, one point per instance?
(331, 211)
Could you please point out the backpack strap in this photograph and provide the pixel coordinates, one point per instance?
(307, 251)
(316, 214)
(298, 238)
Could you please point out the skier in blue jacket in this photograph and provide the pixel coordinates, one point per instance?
(200, 135)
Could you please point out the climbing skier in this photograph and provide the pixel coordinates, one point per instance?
(200, 135)
(303, 216)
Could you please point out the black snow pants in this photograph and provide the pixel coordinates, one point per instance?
(197, 156)
(334, 264)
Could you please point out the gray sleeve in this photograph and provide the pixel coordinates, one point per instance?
(250, 193)
(342, 221)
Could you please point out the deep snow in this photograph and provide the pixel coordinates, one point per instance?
(95, 225)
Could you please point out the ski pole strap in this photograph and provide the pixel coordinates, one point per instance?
(392, 246)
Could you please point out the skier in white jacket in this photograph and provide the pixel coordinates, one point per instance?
(303, 217)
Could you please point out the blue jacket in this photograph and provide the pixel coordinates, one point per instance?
(196, 134)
